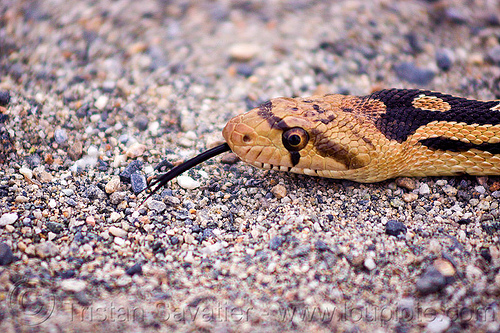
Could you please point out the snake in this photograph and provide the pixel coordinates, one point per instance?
(387, 134)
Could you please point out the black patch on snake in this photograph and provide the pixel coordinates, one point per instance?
(328, 119)
(402, 119)
(441, 143)
(326, 147)
(295, 157)
(266, 112)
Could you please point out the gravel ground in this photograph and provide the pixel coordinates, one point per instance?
(94, 94)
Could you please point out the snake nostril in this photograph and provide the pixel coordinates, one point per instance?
(246, 138)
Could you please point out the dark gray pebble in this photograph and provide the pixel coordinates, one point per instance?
(4, 97)
(138, 182)
(54, 227)
(135, 269)
(93, 192)
(494, 55)
(444, 59)
(431, 281)
(321, 246)
(410, 72)
(395, 228)
(174, 240)
(141, 122)
(82, 298)
(276, 242)
(133, 167)
(244, 69)
(6, 255)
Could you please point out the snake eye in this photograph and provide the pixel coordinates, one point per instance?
(295, 139)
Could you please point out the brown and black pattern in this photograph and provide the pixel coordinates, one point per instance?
(402, 119)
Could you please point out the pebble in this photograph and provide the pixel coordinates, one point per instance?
(44, 176)
(117, 197)
(494, 54)
(243, 51)
(450, 190)
(4, 97)
(135, 269)
(101, 102)
(439, 324)
(8, 218)
(444, 267)
(75, 150)
(410, 197)
(431, 281)
(370, 264)
(6, 255)
(444, 59)
(156, 205)
(138, 182)
(46, 250)
(279, 191)
(187, 182)
(408, 71)
(113, 185)
(115, 216)
(424, 189)
(406, 182)
(131, 168)
(117, 232)
(135, 150)
(230, 158)
(60, 136)
(27, 173)
(395, 228)
(73, 285)
(55, 227)
(119, 241)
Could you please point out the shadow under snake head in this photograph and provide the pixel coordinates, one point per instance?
(318, 136)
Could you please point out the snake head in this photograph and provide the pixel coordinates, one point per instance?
(314, 136)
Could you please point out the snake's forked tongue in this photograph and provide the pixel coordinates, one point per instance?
(161, 181)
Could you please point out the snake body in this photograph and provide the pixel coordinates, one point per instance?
(390, 133)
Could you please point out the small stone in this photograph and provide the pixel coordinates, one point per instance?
(117, 197)
(8, 218)
(279, 191)
(60, 135)
(135, 150)
(431, 281)
(27, 173)
(276, 242)
(370, 264)
(119, 241)
(473, 273)
(444, 267)
(243, 51)
(133, 167)
(101, 102)
(73, 285)
(135, 269)
(55, 227)
(450, 190)
(6, 255)
(113, 185)
(114, 216)
(21, 199)
(43, 176)
(46, 250)
(230, 158)
(68, 192)
(52, 203)
(158, 206)
(494, 55)
(410, 197)
(407, 183)
(4, 97)
(75, 150)
(90, 220)
(444, 59)
(410, 72)
(395, 228)
(117, 232)
(187, 182)
(439, 324)
(138, 182)
(141, 122)
(189, 258)
(300, 251)
(424, 189)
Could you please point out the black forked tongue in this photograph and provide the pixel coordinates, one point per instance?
(161, 181)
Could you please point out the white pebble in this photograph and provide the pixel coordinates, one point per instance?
(117, 232)
(73, 285)
(440, 324)
(52, 203)
(424, 189)
(480, 189)
(370, 264)
(119, 241)
(187, 182)
(27, 173)
(243, 51)
(101, 102)
(8, 218)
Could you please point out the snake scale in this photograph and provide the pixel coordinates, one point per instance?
(390, 133)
